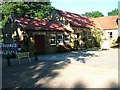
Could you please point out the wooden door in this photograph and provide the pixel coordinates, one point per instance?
(40, 44)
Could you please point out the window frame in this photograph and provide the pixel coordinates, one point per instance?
(67, 38)
(61, 39)
(110, 34)
(54, 39)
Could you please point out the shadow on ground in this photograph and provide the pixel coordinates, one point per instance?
(80, 55)
(28, 74)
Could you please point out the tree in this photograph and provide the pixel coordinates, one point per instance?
(93, 14)
(88, 14)
(113, 12)
(25, 9)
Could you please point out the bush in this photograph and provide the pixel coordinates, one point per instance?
(76, 44)
(97, 36)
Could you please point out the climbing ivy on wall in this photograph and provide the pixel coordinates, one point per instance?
(97, 35)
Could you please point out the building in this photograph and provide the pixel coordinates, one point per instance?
(35, 35)
(109, 26)
(61, 28)
(80, 26)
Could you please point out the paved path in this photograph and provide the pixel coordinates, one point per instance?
(100, 70)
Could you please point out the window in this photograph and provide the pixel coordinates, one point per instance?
(90, 37)
(110, 34)
(52, 39)
(60, 38)
(67, 38)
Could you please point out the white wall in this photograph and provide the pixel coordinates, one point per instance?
(114, 35)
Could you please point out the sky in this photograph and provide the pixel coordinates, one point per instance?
(82, 6)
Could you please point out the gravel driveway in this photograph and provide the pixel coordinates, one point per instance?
(67, 70)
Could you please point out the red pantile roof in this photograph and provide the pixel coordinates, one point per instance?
(77, 20)
(106, 23)
(41, 24)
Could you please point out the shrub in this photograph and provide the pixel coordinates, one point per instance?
(118, 39)
(97, 36)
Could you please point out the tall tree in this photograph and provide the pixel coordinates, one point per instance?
(88, 14)
(25, 9)
(93, 14)
(113, 12)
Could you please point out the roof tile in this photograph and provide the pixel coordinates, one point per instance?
(41, 24)
(106, 23)
(77, 20)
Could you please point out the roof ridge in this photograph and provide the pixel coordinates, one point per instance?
(107, 16)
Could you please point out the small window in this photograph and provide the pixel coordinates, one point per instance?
(110, 34)
(67, 38)
(52, 39)
(89, 37)
(60, 38)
